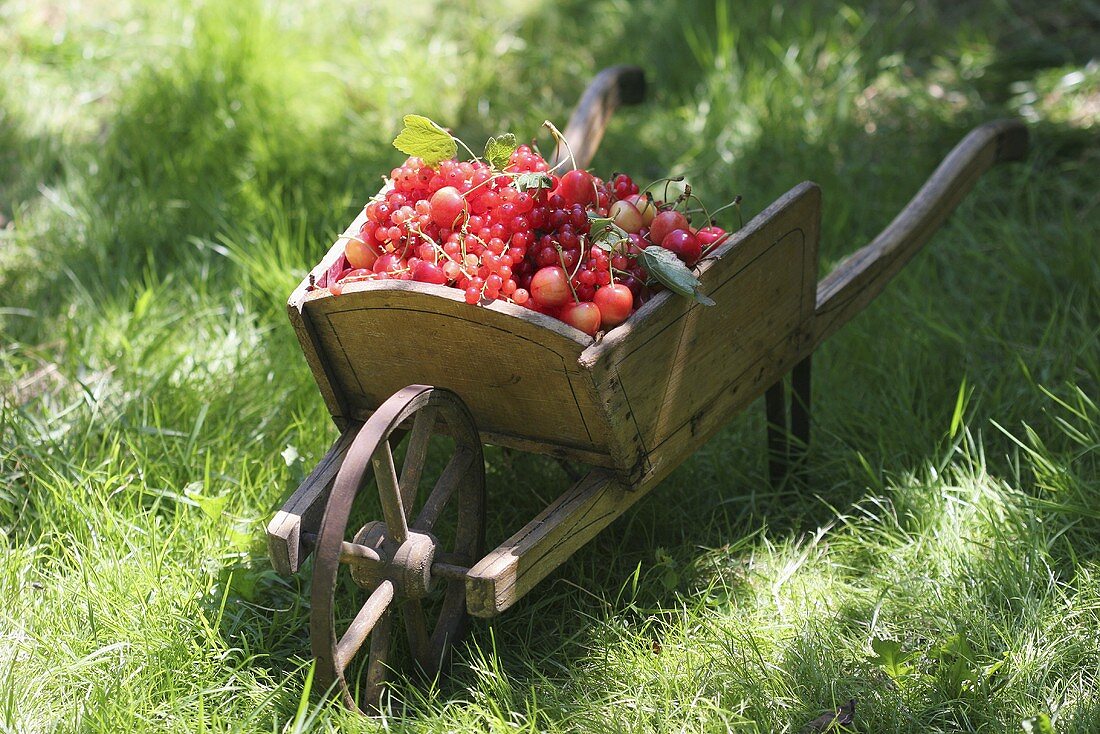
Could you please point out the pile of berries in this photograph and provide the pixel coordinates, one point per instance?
(568, 246)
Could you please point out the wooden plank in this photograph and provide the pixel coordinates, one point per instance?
(303, 327)
(860, 277)
(516, 369)
(301, 513)
(507, 573)
(684, 369)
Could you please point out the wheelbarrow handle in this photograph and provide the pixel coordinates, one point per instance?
(861, 276)
(614, 86)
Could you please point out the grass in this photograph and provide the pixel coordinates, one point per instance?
(168, 172)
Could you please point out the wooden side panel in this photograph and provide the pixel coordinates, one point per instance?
(307, 338)
(504, 575)
(518, 371)
(684, 369)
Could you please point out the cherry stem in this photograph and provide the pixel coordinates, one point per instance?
(565, 268)
(703, 206)
(714, 246)
(737, 203)
(561, 139)
(458, 140)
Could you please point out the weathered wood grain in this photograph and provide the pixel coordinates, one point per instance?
(507, 573)
(682, 368)
(303, 510)
(517, 370)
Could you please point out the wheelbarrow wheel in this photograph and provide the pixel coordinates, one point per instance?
(399, 560)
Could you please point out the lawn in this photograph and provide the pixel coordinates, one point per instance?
(169, 172)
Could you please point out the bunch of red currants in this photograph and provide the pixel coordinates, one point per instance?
(569, 246)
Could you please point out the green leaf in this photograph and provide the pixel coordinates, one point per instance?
(498, 150)
(1037, 725)
(604, 233)
(426, 140)
(958, 664)
(891, 659)
(534, 180)
(211, 506)
(663, 265)
(703, 299)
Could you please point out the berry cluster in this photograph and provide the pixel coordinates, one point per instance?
(566, 246)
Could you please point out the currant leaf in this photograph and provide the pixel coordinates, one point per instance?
(663, 265)
(499, 149)
(426, 140)
(534, 180)
(604, 233)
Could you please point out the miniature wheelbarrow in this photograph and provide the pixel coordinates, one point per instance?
(633, 405)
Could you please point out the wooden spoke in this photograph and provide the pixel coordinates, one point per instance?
(415, 456)
(416, 626)
(389, 492)
(379, 663)
(386, 557)
(363, 624)
(444, 488)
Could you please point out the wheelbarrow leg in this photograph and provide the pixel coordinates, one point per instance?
(775, 406)
(800, 409)
(787, 443)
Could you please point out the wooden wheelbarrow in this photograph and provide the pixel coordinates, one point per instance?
(633, 405)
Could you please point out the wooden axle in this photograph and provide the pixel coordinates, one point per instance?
(357, 554)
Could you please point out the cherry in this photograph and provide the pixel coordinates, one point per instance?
(550, 286)
(664, 223)
(583, 315)
(447, 206)
(684, 244)
(710, 235)
(360, 254)
(615, 303)
(577, 187)
(645, 207)
(626, 216)
(387, 263)
(427, 272)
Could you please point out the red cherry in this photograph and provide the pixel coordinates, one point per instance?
(577, 187)
(447, 206)
(550, 286)
(426, 272)
(684, 244)
(664, 223)
(388, 263)
(584, 316)
(615, 303)
(709, 235)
